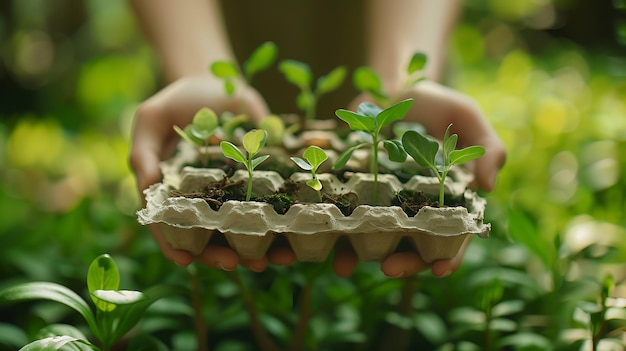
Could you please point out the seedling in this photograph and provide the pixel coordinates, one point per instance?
(299, 74)
(313, 157)
(424, 152)
(116, 311)
(253, 142)
(370, 119)
(200, 130)
(260, 59)
(367, 80)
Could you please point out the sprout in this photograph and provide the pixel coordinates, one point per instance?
(371, 119)
(368, 81)
(200, 130)
(313, 157)
(300, 75)
(424, 152)
(253, 142)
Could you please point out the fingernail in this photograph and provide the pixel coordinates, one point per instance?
(221, 266)
(399, 275)
(445, 274)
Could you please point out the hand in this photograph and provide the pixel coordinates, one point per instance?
(436, 107)
(154, 139)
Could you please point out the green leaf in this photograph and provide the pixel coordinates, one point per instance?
(368, 109)
(205, 121)
(57, 343)
(331, 81)
(224, 69)
(119, 297)
(129, 315)
(52, 292)
(508, 307)
(297, 73)
(422, 149)
(395, 150)
(305, 100)
(344, 157)
(417, 63)
(230, 124)
(302, 163)
(257, 161)
(367, 80)
(315, 155)
(431, 326)
(470, 153)
(449, 141)
(187, 135)
(315, 184)
(357, 122)
(260, 59)
(103, 275)
(275, 127)
(229, 86)
(254, 140)
(393, 113)
(60, 330)
(231, 151)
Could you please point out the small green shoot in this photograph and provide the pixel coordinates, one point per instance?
(368, 81)
(424, 152)
(200, 130)
(253, 142)
(370, 119)
(313, 157)
(299, 74)
(260, 59)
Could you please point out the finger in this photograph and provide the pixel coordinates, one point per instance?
(402, 264)
(488, 166)
(178, 257)
(219, 257)
(258, 265)
(444, 268)
(345, 260)
(282, 256)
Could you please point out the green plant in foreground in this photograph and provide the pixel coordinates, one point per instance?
(253, 142)
(424, 152)
(116, 311)
(313, 157)
(299, 74)
(367, 80)
(200, 130)
(370, 119)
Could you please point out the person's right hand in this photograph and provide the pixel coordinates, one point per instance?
(154, 139)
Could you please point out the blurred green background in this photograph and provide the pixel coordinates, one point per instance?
(550, 76)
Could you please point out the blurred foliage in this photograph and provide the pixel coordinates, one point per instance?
(550, 76)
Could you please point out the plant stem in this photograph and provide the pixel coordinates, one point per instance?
(374, 169)
(299, 335)
(249, 191)
(198, 320)
(398, 338)
(263, 340)
(442, 180)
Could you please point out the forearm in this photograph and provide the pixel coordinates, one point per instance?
(399, 28)
(187, 35)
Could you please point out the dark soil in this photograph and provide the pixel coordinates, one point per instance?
(412, 201)
(216, 193)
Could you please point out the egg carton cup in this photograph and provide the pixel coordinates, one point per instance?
(312, 229)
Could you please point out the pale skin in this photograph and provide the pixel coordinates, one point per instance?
(188, 35)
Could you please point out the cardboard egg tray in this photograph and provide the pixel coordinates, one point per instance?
(312, 229)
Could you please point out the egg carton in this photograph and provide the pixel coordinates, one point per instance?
(313, 229)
